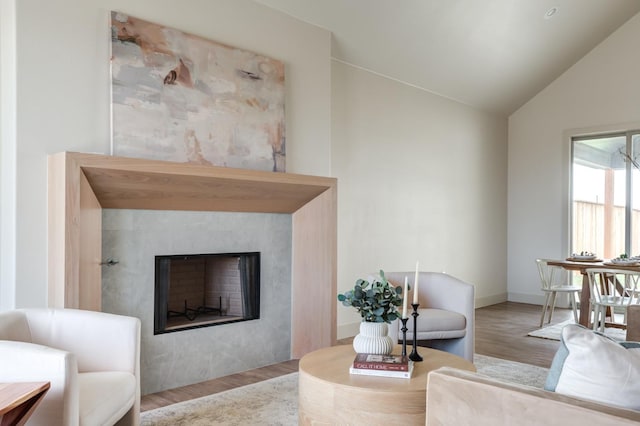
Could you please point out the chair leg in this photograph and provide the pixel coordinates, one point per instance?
(601, 319)
(596, 318)
(572, 299)
(553, 305)
(544, 308)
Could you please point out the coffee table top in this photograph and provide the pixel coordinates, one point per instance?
(332, 365)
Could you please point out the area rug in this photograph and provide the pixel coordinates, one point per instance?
(275, 401)
(511, 371)
(270, 402)
(552, 332)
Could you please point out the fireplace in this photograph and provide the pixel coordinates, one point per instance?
(202, 290)
(172, 359)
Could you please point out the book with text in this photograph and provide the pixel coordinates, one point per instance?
(383, 373)
(381, 362)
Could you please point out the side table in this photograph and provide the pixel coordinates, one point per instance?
(19, 400)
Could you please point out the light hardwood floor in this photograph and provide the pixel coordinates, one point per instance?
(501, 332)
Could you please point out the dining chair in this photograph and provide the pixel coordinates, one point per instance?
(554, 280)
(612, 290)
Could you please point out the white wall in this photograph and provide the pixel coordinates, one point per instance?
(420, 177)
(599, 93)
(7, 152)
(62, 86)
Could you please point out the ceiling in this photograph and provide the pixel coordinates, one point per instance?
(494, 55)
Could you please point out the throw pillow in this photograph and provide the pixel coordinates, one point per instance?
(590, 365)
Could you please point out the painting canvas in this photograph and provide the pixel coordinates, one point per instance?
(180, 97)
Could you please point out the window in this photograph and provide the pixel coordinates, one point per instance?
(605, 194)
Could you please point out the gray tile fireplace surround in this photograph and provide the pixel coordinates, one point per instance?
(135, 237)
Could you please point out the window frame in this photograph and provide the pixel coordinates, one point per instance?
(628, 135)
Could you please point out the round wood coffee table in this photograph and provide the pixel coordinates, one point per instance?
(329, 395)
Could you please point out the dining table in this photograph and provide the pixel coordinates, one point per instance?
(582, 265)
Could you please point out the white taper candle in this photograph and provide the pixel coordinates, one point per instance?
(405, 297)
(415, 285)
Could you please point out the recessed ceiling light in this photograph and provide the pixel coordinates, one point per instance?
(550, 13)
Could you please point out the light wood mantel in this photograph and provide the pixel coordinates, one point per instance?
(81, 185)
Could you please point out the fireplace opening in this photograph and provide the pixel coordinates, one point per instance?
(201, 290)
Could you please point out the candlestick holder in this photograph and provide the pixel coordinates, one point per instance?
(414, 356)
(404, 335)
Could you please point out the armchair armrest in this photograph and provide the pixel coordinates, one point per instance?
(99, 340)
(24, 362)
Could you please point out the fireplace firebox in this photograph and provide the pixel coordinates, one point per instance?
(201, 290)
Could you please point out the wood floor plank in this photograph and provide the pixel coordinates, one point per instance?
(501, 332)
(184, 393)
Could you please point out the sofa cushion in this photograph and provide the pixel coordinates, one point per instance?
(592, 366)
(105, 396)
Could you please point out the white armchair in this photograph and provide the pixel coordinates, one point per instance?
(92, 360)
(447, 312)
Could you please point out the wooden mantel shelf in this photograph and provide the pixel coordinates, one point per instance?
(81, 185)
(126, 183)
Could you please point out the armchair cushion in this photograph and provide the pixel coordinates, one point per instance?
(439, 324)
(105, 396)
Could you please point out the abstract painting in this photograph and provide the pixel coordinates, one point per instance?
(180, 97)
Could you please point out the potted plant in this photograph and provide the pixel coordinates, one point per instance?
(376, 301)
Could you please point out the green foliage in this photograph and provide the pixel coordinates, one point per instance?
(376, 301)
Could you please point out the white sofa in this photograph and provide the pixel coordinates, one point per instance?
(92, 360)
(446, 318)
(593, 380)
(462, 398)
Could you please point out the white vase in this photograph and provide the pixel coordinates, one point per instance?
(373, 339)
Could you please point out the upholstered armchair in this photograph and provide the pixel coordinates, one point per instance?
(447, 312)
(91, 359)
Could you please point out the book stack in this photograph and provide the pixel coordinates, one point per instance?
(382, 365)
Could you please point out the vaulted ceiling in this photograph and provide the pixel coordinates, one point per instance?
(494, 55)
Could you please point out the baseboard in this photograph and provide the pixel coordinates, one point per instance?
(481, 302)
(562, 300)
(532, 299)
